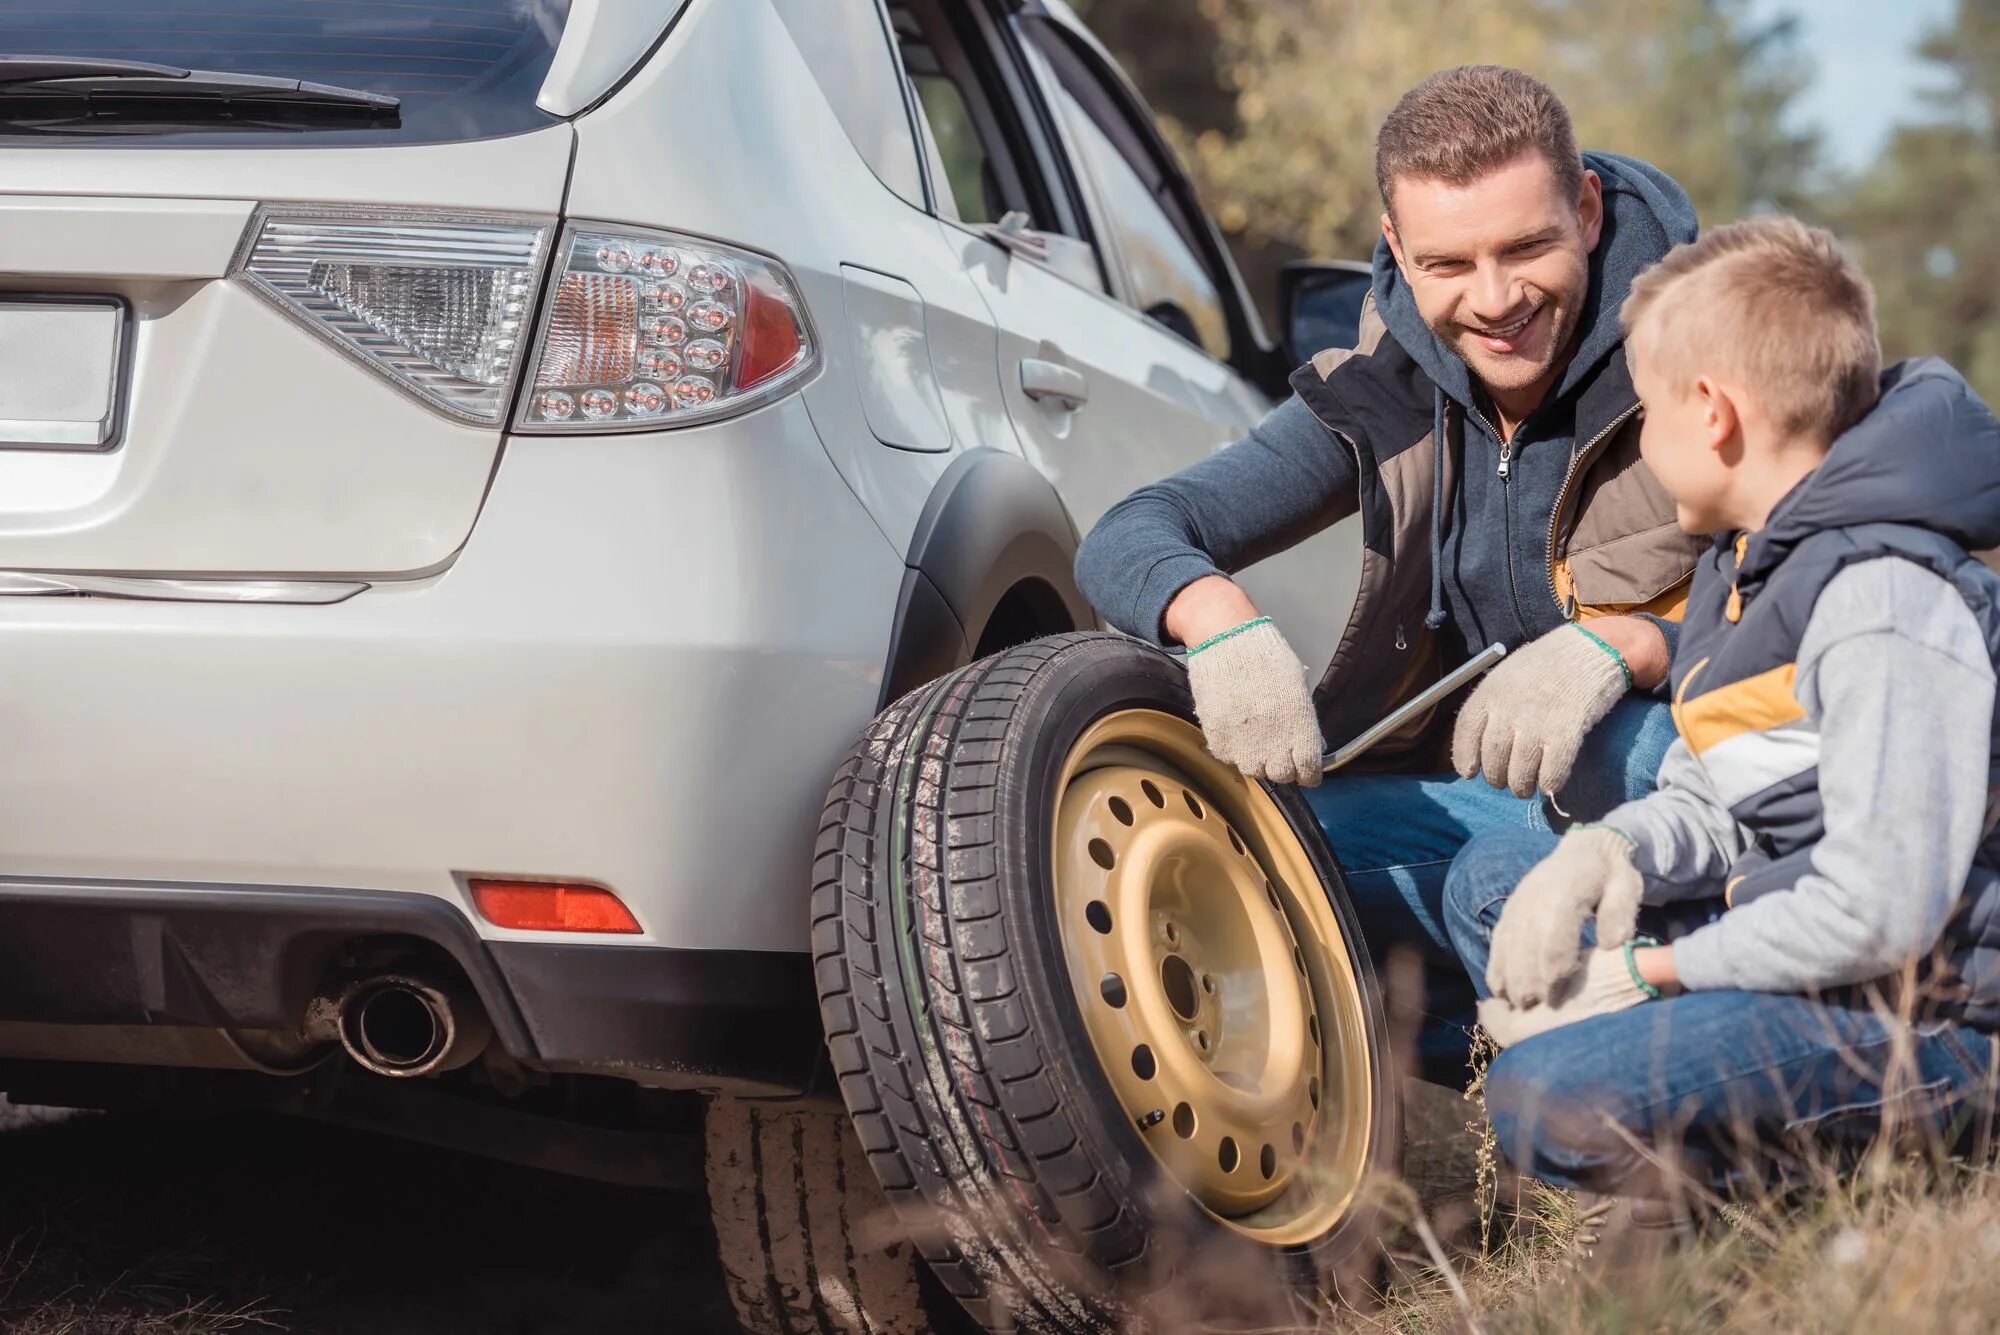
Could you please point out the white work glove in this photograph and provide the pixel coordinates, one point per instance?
(1608, 982)
(1255, 711)
(1524, 723)
(1539, 936)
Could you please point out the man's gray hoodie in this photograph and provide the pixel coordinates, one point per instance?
(1286, 481)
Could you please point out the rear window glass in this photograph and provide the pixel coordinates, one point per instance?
(464, 69)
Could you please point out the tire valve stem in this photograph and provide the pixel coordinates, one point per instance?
(1152, 1119)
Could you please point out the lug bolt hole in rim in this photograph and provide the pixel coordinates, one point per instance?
(1169, 894)
(1178, 980)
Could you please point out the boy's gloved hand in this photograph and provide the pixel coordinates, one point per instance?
(1539, 935)
(1523, 725)
(1608, 982)
(1251, 699)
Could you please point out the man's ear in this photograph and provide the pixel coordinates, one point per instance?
(1395, 243)
(1721, 419)
(1590, 208)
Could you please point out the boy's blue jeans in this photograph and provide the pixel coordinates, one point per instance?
(1722, 1084)
(1395, 835)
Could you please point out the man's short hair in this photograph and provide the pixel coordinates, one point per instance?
(1775, 305)
(1461, 123)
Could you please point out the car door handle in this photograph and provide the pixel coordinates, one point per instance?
(1044, 381)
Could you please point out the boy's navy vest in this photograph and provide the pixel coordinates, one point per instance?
(1919, 479)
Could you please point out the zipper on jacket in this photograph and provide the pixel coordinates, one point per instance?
(1576, 463)
(1506, 442)
(1507, 516)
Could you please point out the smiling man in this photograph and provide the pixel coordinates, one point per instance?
(1487, 433)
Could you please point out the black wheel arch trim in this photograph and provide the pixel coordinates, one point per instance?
(992, 522)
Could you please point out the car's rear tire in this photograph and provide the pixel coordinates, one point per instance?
(1062, 953)
(808, 1245)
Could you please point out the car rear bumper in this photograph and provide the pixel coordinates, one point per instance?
(83, 955)
(640, 671)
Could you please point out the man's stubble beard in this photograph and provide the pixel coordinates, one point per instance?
(1567, 318)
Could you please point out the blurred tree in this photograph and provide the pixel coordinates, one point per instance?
(1925, 217)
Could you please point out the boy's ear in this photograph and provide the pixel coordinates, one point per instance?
(1720, 417)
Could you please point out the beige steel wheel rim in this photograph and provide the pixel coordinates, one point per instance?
(1212, 977)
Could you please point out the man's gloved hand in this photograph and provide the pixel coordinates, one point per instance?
(1251, 698)
(1523, 724)
(1608, 982)
(1538, 938)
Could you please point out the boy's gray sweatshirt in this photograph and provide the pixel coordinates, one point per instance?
(1895, 677)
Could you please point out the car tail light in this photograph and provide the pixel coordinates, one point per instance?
(644, 330)
(551, 906)
(437, 303)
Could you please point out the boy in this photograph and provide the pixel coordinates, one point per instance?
(1824, 813)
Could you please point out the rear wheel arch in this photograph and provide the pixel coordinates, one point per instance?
(989, 566)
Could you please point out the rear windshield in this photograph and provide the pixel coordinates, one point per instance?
(464, 69)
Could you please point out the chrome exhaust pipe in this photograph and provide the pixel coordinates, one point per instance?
(402, 1025)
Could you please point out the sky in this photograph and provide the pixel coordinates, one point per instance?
(1866, 79)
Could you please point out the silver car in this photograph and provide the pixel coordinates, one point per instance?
(467, 473)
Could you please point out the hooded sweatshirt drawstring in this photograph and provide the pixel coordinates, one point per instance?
(1440, 418)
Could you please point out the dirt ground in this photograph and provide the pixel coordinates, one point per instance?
(143, 1225)
(163, 1225)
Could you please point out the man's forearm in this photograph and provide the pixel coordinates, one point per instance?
(1207, 607)
(1277, 486)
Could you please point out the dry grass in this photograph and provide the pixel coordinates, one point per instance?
(1907, 1241)
(1908, 1249)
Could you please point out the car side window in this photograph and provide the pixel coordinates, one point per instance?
(1167, 279)
(845, 45)
(985, 163)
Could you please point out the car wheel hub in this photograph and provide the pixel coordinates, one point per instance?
(1221, 1007)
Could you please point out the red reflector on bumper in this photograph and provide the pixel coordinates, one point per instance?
(551, 906)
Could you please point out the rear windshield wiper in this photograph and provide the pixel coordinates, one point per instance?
(121, 85)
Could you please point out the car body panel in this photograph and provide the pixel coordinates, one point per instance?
(602, 40)
(734, 70)
(637, 673)
(1158, 403)
(250, 444)
(632, 659)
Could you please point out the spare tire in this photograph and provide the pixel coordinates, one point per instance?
(1097, 1003)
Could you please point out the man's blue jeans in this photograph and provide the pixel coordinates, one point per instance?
(1395, 835)
(1723, 1085)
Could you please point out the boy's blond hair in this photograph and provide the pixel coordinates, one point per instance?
(1774, 305)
